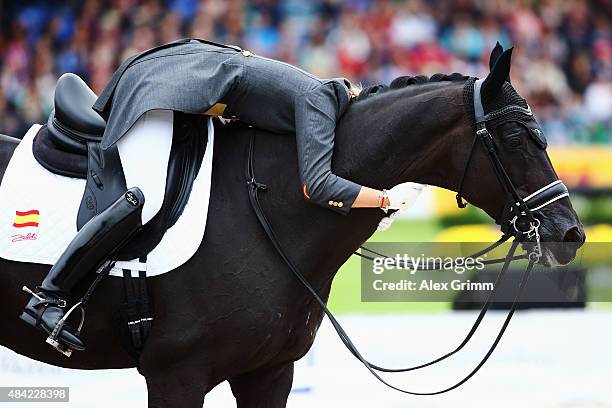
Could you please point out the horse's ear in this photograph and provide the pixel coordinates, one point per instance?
(498, 75)
(495, 54)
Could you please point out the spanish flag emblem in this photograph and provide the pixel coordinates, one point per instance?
(26, 219)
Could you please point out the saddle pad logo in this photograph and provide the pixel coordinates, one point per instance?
(27, 219)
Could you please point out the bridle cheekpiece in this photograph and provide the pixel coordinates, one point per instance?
(517, 217)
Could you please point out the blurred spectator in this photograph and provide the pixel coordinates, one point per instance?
(562, 61)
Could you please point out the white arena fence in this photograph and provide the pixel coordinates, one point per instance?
(547, 359)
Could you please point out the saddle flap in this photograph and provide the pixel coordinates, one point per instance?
(29, 187)
(190, 138)
(106, 182)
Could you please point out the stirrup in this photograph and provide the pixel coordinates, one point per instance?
(62, 348)
(53, 339)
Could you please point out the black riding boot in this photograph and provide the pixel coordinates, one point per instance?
(102, 235)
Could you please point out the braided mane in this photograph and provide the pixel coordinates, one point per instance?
(404, 81)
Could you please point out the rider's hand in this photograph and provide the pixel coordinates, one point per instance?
(403, 196)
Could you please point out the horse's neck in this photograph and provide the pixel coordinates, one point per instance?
(418, 133)
(405, 135)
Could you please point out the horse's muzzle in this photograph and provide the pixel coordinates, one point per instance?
(564, 252)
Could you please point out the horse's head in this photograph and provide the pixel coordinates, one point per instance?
(520, 147)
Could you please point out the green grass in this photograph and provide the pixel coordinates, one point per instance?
(346, 288)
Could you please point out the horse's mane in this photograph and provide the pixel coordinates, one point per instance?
(404, 81)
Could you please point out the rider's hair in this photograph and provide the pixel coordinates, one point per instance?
(355, 90)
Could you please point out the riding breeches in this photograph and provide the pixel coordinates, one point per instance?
(145, 152)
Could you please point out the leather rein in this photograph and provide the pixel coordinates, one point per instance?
(517, 220)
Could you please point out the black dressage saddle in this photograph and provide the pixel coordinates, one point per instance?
(69, 145)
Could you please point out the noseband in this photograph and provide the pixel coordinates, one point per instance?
(517, 216)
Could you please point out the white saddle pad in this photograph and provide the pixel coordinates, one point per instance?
(38, 211)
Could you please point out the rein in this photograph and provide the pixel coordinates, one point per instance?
(517, 215)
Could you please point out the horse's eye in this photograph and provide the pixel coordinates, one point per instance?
(512, 137)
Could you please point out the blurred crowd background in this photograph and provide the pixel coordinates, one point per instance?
(562, 62)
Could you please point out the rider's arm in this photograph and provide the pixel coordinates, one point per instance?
(400, 197)
(316, 114)
(371, 198)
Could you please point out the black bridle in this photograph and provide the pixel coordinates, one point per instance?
(518, 214)
(516, 220)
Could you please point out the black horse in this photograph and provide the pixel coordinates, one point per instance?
(234, 312)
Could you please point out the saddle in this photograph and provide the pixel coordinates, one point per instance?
(69, 145)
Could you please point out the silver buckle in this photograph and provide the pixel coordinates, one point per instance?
(483, 131)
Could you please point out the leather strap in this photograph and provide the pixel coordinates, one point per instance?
(479, 115)
(482, 134)
(255, 188)
(546, 195)
(137, 314)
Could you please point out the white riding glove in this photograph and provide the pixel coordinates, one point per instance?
(403, 196)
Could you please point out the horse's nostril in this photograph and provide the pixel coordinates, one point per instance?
(573, 235)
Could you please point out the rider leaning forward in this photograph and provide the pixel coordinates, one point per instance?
(201, 77)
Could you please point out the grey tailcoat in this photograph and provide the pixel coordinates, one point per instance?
(194, 76)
